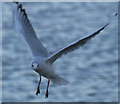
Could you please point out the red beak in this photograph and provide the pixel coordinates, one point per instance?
(36, 69)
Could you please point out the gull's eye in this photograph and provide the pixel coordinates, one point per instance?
(32, 65)
(38, 65)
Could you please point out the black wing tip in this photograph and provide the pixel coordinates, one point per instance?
(20, 7)
(116, 14)
(24, 12)
(15, 2)
(107, 23)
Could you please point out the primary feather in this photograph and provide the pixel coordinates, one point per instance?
(75, 45)
(25, 28)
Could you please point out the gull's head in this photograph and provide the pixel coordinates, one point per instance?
(35, 66)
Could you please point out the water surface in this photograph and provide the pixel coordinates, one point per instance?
(91, 70)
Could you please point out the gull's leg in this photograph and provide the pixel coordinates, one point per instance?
(38, 90)
(46, 96)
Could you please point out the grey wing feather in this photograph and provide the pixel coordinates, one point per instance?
(75, 45)
(25, 28)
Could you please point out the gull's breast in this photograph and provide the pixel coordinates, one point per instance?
(46, 70)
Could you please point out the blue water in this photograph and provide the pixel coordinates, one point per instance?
(91, 70)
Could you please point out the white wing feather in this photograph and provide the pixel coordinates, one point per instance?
(25, 28)
(75, 45)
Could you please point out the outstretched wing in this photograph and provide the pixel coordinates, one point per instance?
(75, 45)
(25, 28)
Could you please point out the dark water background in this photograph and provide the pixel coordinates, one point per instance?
(91, 70)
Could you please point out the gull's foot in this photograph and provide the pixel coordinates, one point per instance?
(46, 96)
(38, 91)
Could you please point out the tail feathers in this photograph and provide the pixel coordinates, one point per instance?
(57, 80)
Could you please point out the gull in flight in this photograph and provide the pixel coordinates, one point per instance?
(42, 61)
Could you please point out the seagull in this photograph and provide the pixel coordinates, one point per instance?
(42, 60)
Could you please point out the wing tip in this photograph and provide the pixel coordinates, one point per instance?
(19, 6)
(24, 12)
(16, 2)
(116, 14)
(109, 22)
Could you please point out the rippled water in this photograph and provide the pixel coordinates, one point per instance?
(91, 70)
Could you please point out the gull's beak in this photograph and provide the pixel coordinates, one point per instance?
(35, 69)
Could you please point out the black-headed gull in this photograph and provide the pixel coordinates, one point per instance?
(42, 60)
